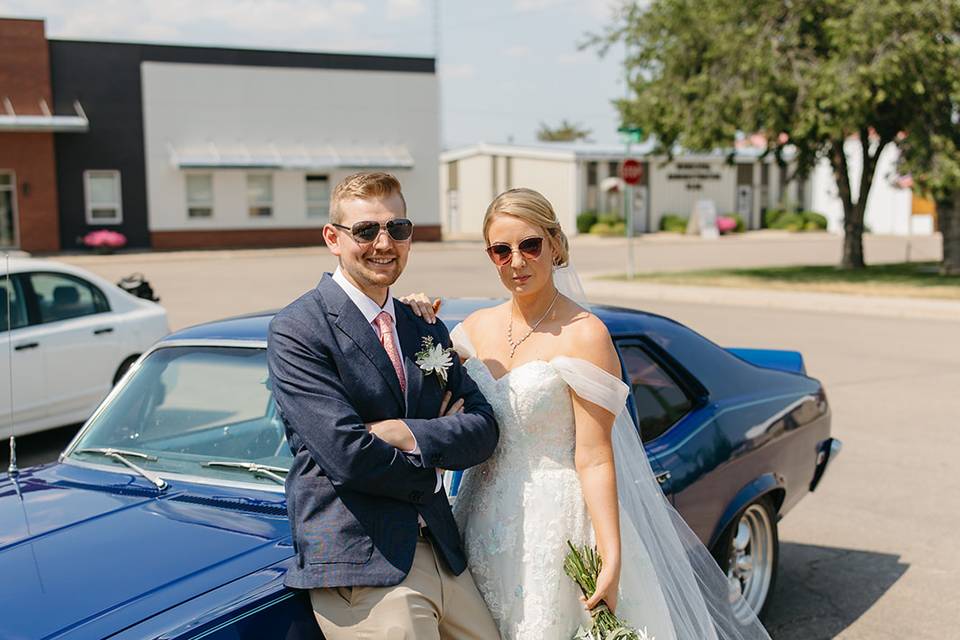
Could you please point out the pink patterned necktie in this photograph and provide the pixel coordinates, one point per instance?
(385, 325)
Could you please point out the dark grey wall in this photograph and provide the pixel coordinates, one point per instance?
(105, 78)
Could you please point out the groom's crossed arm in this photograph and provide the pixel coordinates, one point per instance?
(315, 405)
(461, 440)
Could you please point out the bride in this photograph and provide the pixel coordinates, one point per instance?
(570, 464)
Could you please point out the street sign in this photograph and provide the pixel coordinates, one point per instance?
(631, 171)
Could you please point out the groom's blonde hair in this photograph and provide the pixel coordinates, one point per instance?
(371, 185)
(532, 207)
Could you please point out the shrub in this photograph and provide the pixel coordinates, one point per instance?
(726, 224)
(814, 221)
(609, 218)
(790, 222)
(104, 240)
(771, 216)
(673, 223)
(741, 225)
(606, 229)
(731, 223)
(586, 220)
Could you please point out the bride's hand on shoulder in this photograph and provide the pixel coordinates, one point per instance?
(422, 306)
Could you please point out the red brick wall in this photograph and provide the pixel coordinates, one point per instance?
(24, 65)
(259, 238)
(25, 80)
(30, 157)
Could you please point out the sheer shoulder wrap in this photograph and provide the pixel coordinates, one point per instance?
(592, 383)
(461, 342)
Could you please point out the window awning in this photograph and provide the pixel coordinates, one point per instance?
(46, 121)
(300, 157)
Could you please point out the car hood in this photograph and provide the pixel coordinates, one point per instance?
(86, 553)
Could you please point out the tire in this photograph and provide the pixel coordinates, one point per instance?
(749, 553)
(123, 368)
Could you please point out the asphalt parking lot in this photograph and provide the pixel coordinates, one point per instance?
(871, 555)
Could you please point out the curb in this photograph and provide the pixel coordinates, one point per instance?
(815, 302)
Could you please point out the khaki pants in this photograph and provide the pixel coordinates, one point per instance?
(431, 603)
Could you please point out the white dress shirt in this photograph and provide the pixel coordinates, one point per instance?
(370, 311)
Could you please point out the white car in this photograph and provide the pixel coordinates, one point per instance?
(66, 336)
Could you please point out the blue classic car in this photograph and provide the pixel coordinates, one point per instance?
(165, 517)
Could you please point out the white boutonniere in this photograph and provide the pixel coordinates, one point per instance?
(433, 358)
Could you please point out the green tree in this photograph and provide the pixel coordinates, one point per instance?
(930, 152)
(811, 75)
(564, 132)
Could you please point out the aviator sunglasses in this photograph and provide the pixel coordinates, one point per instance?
(365, 232)
(501, 253)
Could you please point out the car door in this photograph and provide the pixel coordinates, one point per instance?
(80, 342)
(659, 400)
(22, 395)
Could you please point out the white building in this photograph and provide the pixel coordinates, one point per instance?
(891, 207)
(574, 178)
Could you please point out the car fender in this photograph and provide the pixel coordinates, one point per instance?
(763, 485)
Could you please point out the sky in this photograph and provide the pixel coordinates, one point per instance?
(505, 66)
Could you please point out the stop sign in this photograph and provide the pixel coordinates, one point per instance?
(631, 171)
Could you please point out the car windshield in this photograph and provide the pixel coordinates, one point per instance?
(188, 406)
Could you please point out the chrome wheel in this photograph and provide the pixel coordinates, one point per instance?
(752, 560)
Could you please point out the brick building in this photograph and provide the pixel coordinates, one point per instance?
(189, 147)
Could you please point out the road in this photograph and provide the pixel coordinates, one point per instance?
(869, 556)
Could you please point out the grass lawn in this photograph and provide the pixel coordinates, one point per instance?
(912, 279)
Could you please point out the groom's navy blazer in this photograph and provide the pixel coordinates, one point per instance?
(353, 499)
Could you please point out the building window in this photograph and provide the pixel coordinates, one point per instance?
(318, 196)
(591, 174)
(199, 195)
(8, 218)
(260, 195)
(102, 196)
(613, 169)
(453, 176)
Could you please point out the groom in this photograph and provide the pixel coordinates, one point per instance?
(375, 541)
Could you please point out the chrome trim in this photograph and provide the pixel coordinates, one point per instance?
(835, 448)
(163, 344)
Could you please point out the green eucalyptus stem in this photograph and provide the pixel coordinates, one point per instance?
(583, 565)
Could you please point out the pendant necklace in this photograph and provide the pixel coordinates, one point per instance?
(514, 345)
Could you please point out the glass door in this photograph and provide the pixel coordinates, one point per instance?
(8, 234)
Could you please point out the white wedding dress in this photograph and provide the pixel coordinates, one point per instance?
(517, 510)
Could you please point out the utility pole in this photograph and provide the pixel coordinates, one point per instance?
(628, 169)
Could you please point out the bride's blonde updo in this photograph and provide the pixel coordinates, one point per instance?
(532, 207)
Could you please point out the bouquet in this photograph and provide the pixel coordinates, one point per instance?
(583, 566)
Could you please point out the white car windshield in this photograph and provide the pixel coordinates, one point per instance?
(192, 409)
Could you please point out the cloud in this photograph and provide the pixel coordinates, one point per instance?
(450, 71)
(596, 8)
(271, 23)
(518, 51)
(403, 9)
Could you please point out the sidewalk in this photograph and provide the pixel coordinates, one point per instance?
(889, 307)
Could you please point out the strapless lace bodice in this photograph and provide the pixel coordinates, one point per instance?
(533, 407)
